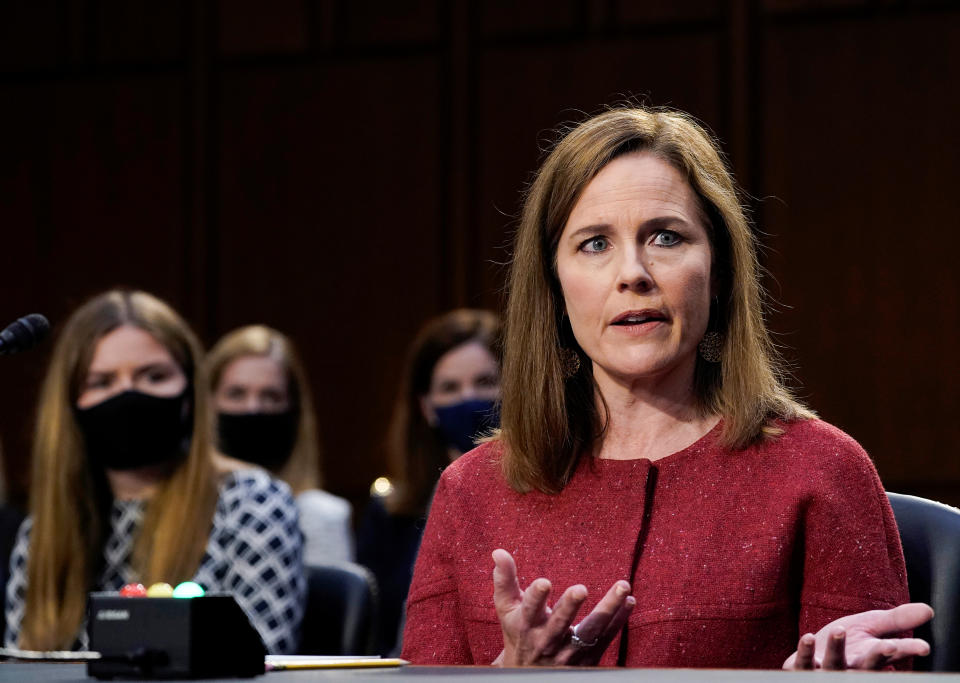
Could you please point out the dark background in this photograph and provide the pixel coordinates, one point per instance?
(345, 169)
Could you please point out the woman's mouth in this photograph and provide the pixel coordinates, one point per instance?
(636, 318)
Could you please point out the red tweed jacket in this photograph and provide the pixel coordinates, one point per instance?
(739, 553)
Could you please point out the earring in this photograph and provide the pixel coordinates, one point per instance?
(710, 347)
(570, 360)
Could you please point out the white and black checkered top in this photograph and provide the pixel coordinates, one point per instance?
(254, 552)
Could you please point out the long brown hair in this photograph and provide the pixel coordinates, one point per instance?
(548, 420)
(302, 469)
(417, 452)
(70, 500)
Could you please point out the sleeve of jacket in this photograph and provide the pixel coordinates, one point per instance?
(16, 587)
(853, 561)
(255, 553)
(435, 631)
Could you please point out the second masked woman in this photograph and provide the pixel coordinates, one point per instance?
(265, 416)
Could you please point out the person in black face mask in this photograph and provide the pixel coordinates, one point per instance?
(448, 399)
(265, 416)
(127, 489)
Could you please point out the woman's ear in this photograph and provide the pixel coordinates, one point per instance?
(426, 409)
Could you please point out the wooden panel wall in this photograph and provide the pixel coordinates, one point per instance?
(345, 169)
(861, 143)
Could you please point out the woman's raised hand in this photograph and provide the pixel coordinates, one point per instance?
(860, 641)
(536, 634)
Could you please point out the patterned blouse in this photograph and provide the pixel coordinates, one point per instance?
(254, 553)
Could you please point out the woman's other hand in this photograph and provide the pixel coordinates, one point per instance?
(535, 634)
(860, 641)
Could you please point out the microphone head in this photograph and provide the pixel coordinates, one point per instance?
(23, 333)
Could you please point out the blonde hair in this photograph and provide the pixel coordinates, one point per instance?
(548, 420)
(416, 451)
(302, 469)
(70, 500)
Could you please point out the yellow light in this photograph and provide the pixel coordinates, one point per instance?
(160, 590)
(381, 487)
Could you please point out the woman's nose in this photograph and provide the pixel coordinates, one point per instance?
(634, 273)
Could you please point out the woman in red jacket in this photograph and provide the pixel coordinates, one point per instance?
(653, 473)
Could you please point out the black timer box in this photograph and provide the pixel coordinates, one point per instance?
(203, 637)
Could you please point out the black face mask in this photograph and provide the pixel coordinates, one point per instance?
(133, 429)
(463, 422)
(265, 439)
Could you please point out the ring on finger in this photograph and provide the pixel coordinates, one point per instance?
(577, 641)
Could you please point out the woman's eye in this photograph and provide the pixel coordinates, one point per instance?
(97, 383)
(666, 238)
(595, 245)
(271, 398)
(487, 382)
(159, 376)
(449, 388)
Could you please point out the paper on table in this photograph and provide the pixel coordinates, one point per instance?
(280, 662)
(49, 655)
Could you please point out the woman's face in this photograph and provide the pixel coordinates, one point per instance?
(252, 384)
(634, 264)
(130, 359)
(464, 373)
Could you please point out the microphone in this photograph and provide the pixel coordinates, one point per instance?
(23, 333)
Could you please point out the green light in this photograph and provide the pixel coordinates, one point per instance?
(188, 589)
